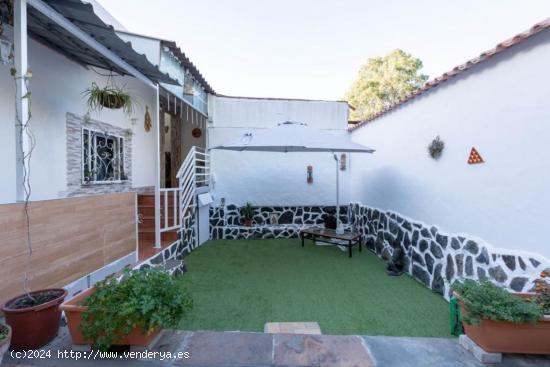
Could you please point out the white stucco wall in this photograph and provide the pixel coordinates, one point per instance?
(501, 107)
(57, 85)
(274, 178)
(147, 46)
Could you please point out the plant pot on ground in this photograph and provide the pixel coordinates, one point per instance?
(131, 311)
(247, 214)
(330, 221)
(34, 317)
(5, 339)
(502, 322)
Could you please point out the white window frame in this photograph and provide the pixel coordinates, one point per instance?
(94, 132)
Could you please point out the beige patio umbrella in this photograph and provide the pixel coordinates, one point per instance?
(289, 137)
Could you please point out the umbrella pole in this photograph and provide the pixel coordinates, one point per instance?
(339, 228)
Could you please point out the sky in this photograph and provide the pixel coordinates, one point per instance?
(313, 49)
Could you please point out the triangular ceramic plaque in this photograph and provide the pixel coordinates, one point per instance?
(474, 157)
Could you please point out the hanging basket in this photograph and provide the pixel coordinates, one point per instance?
(111, 100)
(111, 96)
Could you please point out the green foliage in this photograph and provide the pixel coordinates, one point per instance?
(110, 96)
(3, 332)
(247, 211)
(485, 300)
(542, 290)
(383, 81)
(146, 298)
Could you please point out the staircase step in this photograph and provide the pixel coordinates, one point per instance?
(149, 222)
(149, 199)
(149, 235)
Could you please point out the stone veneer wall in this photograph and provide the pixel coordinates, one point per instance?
(225, 222)
(75, 187)
(432, 257)
(172, 258)
(437, 259)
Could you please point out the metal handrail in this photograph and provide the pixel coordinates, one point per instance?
(195, 171)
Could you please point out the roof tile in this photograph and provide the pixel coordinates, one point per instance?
(537, 28)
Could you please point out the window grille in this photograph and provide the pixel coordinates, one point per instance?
(102, 157)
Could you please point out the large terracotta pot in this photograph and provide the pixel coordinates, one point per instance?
(73, 313)
(508, 337)
(5, 343)
(33, 327)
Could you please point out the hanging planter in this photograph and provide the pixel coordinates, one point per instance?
(111, 96)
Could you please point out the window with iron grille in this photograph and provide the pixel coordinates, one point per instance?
(102, 157)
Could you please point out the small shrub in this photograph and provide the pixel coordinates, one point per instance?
(146, 298)
(247, 211)
(542, 289)
(484, 300)
(3, 332)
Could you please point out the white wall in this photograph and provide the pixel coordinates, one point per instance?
(57, 85)
(147, 46)
(273, 178)
(501, 107)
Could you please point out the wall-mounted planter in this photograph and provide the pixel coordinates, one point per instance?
(508, 337)
(73, 312)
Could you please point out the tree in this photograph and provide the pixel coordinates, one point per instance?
(383, 81)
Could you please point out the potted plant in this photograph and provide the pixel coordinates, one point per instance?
(129, 311)
(502, 322)
(34, 317)
(329, 219)
(111, 96)
(5, 339)
(247, 213)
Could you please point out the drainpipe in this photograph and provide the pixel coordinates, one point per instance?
(339, 228)
(22, 104)
(157, 170)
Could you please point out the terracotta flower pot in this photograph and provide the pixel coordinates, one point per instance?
(509, 337)
(247, 222)
(5, 343)
(73, 313)
(35, 326)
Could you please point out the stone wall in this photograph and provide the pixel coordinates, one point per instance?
(75, 186)
(226, 222)
(437, 259)
(172, 258)
(433, 257)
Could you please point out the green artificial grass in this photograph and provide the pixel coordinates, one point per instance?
(242, 284)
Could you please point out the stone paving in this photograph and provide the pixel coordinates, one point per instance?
(231, 349)
(292, 328)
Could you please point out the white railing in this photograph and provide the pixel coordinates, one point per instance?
(194, 172)
(169, 196)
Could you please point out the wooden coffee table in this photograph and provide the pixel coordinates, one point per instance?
(347, 239)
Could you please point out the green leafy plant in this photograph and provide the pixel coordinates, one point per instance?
(145, 298)
(542, 290)
(3, 332)
(111, 96)
(247, 211)
(485, 300)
